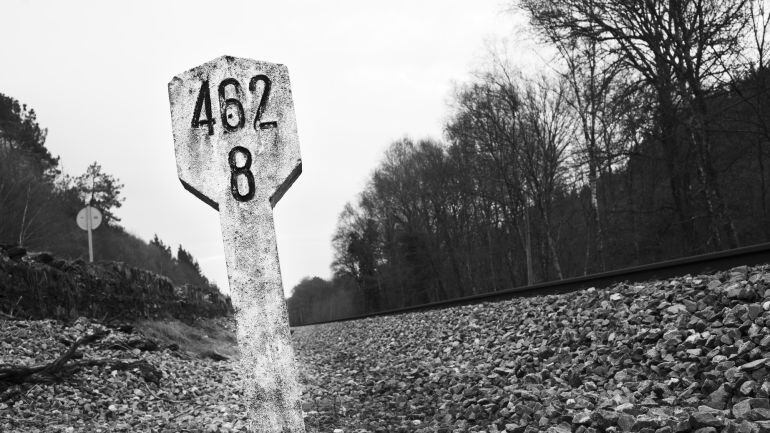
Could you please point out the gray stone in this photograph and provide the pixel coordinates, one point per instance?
(748, 388)
(754, 331)
(626, 422)
(561, 428)
(582, 418)
(747, 427)
(704, 419)
(758, 414)
(691, 306)
(754, 365)
(676, 309)
(605, 418)
(733, 290)
(742, 409)
(719, 398)
(647, 422)
(754, 311)
(765, 341)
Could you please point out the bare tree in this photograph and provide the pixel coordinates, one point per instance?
(546, 128)
(485, 127)
(759, 18)
(593, 82)
(681, 48)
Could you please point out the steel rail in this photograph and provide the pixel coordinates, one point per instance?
(699, 264)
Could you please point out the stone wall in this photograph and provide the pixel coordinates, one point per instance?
(39, 286)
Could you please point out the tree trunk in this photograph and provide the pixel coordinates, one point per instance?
(552, 245)
(715, 205)
(528, 248)
(594, 189)
(678, 181)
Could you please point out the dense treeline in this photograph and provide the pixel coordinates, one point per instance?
(650, 142)
(38, 204)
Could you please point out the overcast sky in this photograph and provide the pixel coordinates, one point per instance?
(363, 75)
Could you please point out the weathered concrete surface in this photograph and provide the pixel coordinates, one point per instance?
(241, 164)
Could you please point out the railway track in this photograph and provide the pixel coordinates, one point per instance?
(699, 264)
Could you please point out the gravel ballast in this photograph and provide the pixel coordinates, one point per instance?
(689, 354)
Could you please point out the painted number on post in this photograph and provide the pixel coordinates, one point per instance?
(231, 108)
(234, 119)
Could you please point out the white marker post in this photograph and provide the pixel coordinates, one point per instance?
(235, 137)
(89, 219)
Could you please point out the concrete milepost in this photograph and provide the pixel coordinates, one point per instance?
(235, 138)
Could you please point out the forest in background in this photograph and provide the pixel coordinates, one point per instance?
(648, 142)
(39, 203)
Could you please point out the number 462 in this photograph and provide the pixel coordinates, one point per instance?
(231, 108)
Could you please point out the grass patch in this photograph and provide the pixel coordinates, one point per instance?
(203, 338)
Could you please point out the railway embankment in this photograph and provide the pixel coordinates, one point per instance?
(685, 354)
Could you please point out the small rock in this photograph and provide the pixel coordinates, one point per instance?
(741, 409)
(748, 388)
(719, 398)
(626, 422)
(583, 418)
(754, 365)
(704, 419)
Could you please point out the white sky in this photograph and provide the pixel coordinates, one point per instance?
(363, 75)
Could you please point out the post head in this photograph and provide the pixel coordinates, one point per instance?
(235, 132)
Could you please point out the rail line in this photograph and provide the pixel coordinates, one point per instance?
(699, 264)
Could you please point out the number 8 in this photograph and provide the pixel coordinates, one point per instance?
(245, 170)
